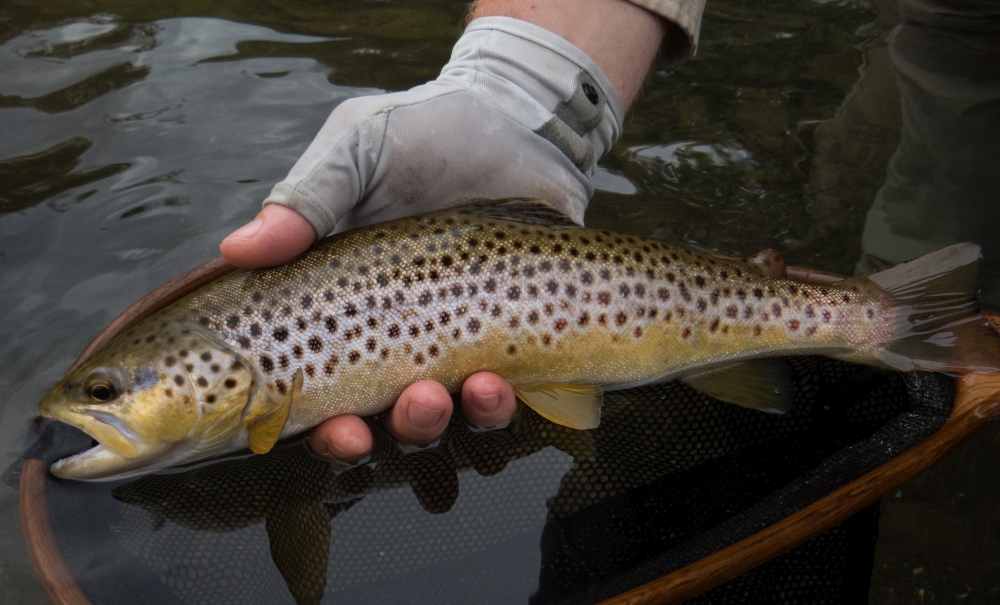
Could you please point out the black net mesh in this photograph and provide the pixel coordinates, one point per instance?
(527, 513)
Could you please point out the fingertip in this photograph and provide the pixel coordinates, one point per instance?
(342, 438)
(421, 413)
(488, 399)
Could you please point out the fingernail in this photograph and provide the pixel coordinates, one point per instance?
(247, 231)
(423, 417)
(486, 403)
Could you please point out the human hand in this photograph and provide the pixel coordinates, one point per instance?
(517, 112)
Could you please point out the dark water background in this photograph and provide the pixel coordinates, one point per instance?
(133, 137)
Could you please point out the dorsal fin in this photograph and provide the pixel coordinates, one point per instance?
(521, 210)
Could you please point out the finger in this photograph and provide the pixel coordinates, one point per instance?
(488, 400)
(421, 413)
(276, 236)
(344, 438)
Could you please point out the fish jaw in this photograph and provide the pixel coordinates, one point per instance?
(117, 451)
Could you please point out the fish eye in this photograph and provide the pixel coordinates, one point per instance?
(101, 392)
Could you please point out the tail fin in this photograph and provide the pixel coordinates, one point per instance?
(937, 320)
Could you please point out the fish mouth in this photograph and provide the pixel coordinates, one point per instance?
(111, 455)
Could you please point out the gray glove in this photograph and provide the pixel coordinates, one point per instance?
(517, 112)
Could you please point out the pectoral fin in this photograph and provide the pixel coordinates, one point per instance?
(264, 426)
(761, 384)
(573, 405)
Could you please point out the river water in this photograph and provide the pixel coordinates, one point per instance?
(133, 137)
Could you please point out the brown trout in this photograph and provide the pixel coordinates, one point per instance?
(512, 287)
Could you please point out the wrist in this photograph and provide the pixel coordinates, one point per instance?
(622, 38)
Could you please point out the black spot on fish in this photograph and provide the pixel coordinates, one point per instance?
(280, 334)
(315, 344)
(170, 361)
(179, 380)
(266, 364)
(473, 325)
(202, 381)
(244, 342)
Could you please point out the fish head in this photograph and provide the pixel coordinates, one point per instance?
(163, 393)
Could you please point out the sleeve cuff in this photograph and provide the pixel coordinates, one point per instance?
(685, 15)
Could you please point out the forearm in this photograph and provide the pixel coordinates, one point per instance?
(622, 38)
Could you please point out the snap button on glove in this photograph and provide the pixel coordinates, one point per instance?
(517, 112)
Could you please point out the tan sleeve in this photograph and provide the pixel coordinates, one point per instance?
(685, 16)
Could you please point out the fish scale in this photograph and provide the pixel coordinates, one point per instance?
(511, 287)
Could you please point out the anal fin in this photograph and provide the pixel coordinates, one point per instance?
(761, 384)
(573, 405)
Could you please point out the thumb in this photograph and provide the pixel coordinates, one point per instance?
(276, 236)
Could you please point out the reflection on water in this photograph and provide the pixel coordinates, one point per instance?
(136, 136)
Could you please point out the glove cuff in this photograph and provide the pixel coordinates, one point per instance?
(557, 44)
